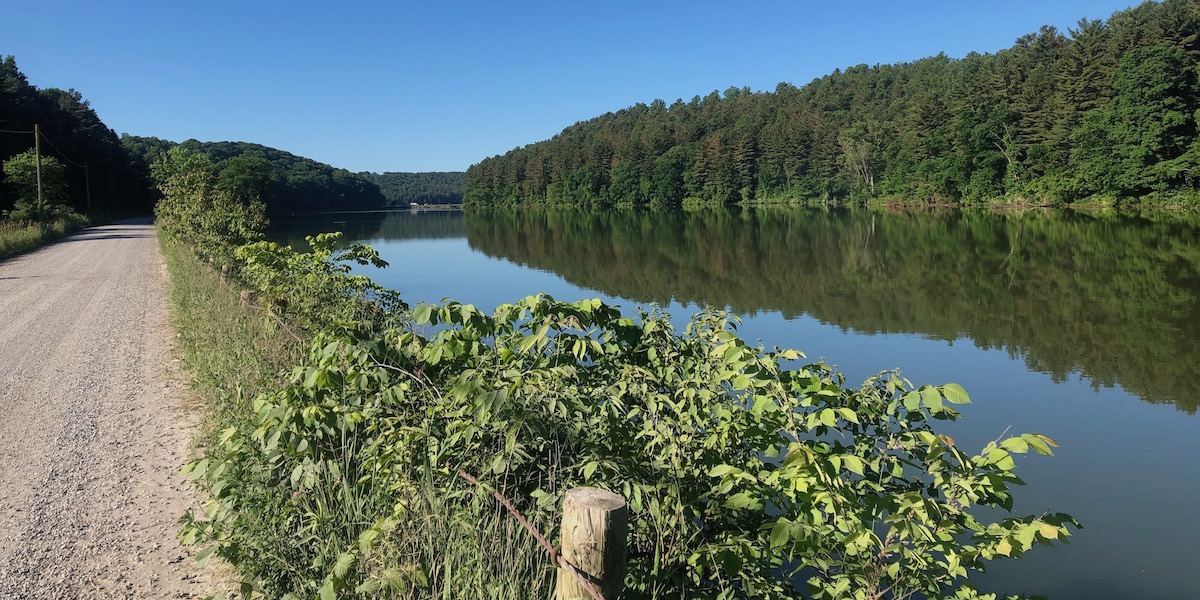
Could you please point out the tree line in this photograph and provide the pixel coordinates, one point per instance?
(1107, 111)
(403, 189)
(88, 168)
(290, 183)
(73, 136)
(283, 181)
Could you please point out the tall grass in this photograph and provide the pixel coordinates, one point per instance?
(20, 237)
(475, 551)
(438, 548)
(230, 354)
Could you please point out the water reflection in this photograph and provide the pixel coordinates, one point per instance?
(367, 226)
(1112, 298)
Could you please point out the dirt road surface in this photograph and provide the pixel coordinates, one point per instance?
(94, 424)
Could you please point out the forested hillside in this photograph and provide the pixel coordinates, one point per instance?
(402, 189)
(117, 169)
(1108, 109)
(75, 136)
(284, 181)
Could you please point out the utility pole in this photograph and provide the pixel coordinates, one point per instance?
(87, 181)
(37, 152)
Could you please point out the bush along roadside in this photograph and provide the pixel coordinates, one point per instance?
(744, 478)
(749, 472)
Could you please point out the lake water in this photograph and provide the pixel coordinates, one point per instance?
(1083, 328)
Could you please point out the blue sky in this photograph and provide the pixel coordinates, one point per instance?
(438, 86)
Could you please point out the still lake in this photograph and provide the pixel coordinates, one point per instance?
(1083, 328)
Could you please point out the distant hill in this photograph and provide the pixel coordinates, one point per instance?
(297, 184)
(402, 189)
(75, 136)
(1106, 110)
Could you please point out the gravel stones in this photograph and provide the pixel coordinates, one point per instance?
(94, 424)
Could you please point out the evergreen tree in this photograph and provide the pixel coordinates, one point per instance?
(1050, 119)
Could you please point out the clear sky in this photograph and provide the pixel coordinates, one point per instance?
(438, 86)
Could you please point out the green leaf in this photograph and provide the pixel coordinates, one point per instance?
(743, 500)
(345, 560)
(848, 415)
(1017, 445)
(327, 591)
(1038, 443)
(1026, 536)
(722, 470)
(1002, 459)
(589, 468)
(423, 313)
(853, 463)
(203, 556)
(1048, 531)
(779, 533)
(828, 417)
(955, 394)
(367, 539)
(932, 399)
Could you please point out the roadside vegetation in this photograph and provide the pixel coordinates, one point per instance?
(19, 237)
(35, 219)
(342, 419)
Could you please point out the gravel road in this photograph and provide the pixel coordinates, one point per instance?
(94, 424)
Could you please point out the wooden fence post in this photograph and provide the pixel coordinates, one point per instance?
(595, 525)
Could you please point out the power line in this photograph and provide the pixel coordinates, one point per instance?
(60, 153)
(87, 178)
(38, 136)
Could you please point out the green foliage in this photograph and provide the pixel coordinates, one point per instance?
(246, 178)
(75, 135)
(20, 173)
(310, 501)
(199, 210)
(316, 289)
(735, 467)
(17, 238)
(747, 475)
(1109, 109)
(282, 181)
(231, 355)
(1139, 142)
(403, 189)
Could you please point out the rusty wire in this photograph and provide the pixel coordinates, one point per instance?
(555, 557)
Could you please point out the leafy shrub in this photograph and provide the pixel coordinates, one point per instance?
(21, 175)
(316, 289)
(745, 478)
(198, 212)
